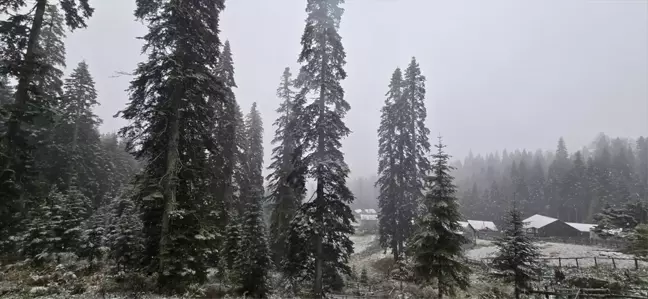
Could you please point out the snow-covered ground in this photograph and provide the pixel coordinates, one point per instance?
(586, 254)
(360, 243)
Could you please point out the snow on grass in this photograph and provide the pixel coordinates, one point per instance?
(361, 243)
(567, 253)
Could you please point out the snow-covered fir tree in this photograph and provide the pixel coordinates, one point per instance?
(30, 112)
(93, 244)
(253, 261)
(51, 55)
(325, 221)
(403, 150)
(55, 227)
(388, 169)
(284, 195)
(6, 91)
(436, 245)
(517, 256)
(171, 111)
(125, 236)
(227, 130)
(231, 246)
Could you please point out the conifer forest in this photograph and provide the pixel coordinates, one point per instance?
(189, 198)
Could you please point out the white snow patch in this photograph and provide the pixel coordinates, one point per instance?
(567, 253)
(360, 243)
(483, 225)
(583, 227)
(538, 221)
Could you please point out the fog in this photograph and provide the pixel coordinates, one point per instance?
(500, 73)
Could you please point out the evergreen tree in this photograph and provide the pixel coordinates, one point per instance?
(557, 180)
(537, 184)
(578, 195)
(414, 95)
(284, 196)
(326, 221)
(29, 114)
(39, 234)
(228, 132)
(393, 222)
(517, 257)
(253, 262)
(72, 212)
(125, 237)
(93, 243)
(74, 150)
(55, 226)
(6, 92)
(51, 55)
(436, 246)
(639, 245)
(232, 244)
(171, 111)
(364, 278)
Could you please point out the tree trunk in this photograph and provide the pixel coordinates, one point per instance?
(170, 178)
(26, 74)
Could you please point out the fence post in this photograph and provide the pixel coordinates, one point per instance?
(559, 262)
(546, 292)
(636, 264)
(613, 263)
(595, 262)
(577, 266)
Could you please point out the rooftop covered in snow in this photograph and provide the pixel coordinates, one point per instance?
(365, 211)
(583, 227)
(537, 221)
(483, 225)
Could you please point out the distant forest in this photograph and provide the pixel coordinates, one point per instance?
(570, 184)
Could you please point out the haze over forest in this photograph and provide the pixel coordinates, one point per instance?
(232, 157)
(500, 74)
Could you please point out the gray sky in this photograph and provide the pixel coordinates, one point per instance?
(500, 73)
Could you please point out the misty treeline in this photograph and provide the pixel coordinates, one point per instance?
(193, 204)
(571, 185)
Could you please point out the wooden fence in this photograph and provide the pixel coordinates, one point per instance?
(585, 262)
(582, 294)
(607, 243)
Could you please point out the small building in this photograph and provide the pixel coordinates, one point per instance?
(585, 229)
(484, 228)
(544, 226)
(365, 219)
(468, 231)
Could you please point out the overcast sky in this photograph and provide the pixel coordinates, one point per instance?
(500, 73)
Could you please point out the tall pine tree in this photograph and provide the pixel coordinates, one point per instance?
(171, 110)
(325, 222)
(436, 245)
(396, 208)
(254, 261)
(517, 258)
(29, 113)
(285, 196)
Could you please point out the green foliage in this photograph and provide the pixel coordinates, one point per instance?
(94, 239)
(285, 194)
(323, 224)
(436, 246)
(174, 100)
(252, 262)
(125, 235)
(639, 238)
(517, 257)
(364, 278)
